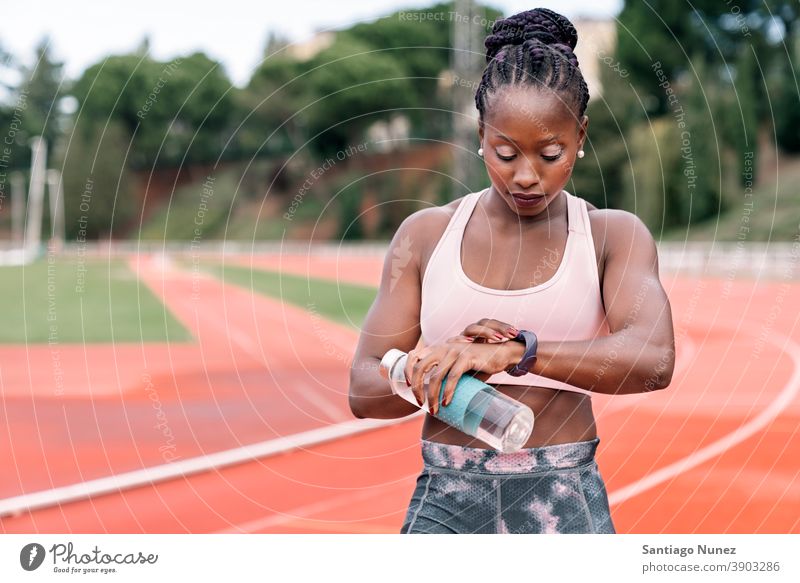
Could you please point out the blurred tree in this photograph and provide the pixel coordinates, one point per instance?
(786, 88)
(745, 89)
(271, 107)
(698, 189)
(599, 177)
(421, 40)
(348, 193)
(98, 193)
(189, 122)
(355, 85)
(143, 50)
(658, 31)
(12, 107)
(652, 177)
(178, 111)
(712, 31)
(42, 86)
(7, 66)
(276, 44)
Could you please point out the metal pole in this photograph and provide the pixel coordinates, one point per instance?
(17, 206)
(55, 192)
(466, 62)
(33, 229)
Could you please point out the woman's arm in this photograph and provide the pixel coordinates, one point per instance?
(639, 355)
(392, 321)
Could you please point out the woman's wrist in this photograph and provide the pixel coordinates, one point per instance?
(514, 353)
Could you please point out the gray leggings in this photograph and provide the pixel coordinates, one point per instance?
(549, 489)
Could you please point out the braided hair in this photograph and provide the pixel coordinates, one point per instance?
(533, 48)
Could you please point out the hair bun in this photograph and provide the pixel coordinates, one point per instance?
(537, 26)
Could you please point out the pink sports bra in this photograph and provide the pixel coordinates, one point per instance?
(568, 306)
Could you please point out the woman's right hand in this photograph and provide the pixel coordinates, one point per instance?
(428, 367)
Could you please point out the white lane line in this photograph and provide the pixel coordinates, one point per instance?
(307, 392)
(147, 476)
(783, 400)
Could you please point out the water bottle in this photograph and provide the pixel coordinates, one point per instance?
(477, 409)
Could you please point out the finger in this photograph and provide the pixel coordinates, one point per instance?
(409, 365)
(456, 372)
(421, 369)
(413, 357)
(460, 338)
(488, 326)
(434, 387)
(493, 333)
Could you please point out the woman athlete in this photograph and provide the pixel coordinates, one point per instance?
(523, 254)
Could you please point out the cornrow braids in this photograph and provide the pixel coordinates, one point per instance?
(533, 48)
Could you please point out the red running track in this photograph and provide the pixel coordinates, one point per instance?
(715, 452)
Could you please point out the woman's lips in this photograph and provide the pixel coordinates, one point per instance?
(527, 200)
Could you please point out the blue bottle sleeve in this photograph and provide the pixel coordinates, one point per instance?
(470, 400)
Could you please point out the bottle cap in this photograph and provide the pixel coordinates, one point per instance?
(388, 361)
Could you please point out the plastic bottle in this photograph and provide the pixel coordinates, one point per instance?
(477, 409)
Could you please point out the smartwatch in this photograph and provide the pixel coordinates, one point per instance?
(529, 358)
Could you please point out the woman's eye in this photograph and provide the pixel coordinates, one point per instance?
(506, 157)
(553, 157)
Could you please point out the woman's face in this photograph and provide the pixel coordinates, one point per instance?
(530, 140)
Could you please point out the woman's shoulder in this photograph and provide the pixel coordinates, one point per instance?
(420, 231)
(430, 222)
(614, 221)
(617, 229)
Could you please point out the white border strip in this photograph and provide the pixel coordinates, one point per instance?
(27, 502)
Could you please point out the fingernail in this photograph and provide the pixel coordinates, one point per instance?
(512, 331)
(498, 335)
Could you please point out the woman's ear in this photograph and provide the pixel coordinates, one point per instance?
(582, 129)
(480, 132)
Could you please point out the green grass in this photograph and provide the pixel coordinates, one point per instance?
(344, 303)
(58, 302)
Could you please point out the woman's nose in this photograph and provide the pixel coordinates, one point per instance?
(524, 175)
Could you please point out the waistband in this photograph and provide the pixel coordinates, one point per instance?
(492, 461)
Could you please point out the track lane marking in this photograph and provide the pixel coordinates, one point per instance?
(788, 393)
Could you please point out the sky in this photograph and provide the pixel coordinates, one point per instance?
(82, 32)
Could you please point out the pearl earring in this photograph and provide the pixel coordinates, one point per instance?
(580, 154)
(480, 152)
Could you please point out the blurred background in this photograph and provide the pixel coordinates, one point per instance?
(195, 203)
(147, 128)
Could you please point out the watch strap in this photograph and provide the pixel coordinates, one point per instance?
(529, 357)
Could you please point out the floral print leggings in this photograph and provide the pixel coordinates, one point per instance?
(549, 489)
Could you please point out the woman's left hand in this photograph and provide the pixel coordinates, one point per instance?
(486, 330)
(452, 359)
